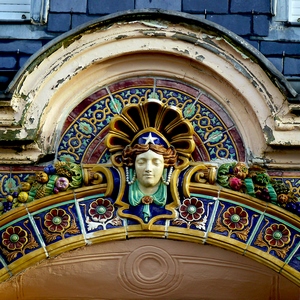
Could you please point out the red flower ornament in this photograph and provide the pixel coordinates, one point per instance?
(14, 238)
(101, 210)
(57, 220)
(235, 218)
(277, 235)
(235, 183)
(191, 209)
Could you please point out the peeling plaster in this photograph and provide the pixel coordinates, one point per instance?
(200, 58)
(153, 33)
(182, 37)
(154, 24)
(187, 38)
(269, 134)
(22, 134)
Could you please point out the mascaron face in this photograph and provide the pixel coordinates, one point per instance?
(149, 167)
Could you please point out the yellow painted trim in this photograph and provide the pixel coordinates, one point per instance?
(13, 215)
(27, 261)
(102, 236)
(226, 243)
(137, 231)
(264, 258)
(4, 275)
(184, 234)
(66, 245)
(291, 274)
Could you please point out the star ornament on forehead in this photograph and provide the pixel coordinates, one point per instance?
(151, 138)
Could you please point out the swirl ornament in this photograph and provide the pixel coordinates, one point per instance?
(150, 271)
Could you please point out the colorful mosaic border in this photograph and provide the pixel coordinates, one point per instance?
(56, 224)
(82, 140)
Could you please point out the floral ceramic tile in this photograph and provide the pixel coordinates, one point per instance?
(276, 237)
(99, 213)
(18, 239)
(57, 222)
(235, 221)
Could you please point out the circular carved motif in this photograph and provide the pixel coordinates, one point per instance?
(149, 270)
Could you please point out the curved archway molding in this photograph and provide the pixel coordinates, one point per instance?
(148, 43)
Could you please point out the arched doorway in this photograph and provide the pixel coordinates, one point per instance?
(149, 269)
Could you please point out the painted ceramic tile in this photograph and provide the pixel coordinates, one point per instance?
(235, 221)
(294, 261)
(17, 240)
(208, 124)
(194, 212)
(276, 238)
(57, 222)
(99, 213)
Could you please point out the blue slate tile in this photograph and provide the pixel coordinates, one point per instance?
(22, 46)
(254, 43)
(68, 6)
(210, 6)
(278, 48)
(239, 24)
(258, 6)
(277, 62)
(291, 66)
(166, 4)
(261, 25)
(109, 6)
(79, 19)
(59, 22)
(7, 62)
(23, 59)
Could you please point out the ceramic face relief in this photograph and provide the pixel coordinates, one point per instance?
(149, 167)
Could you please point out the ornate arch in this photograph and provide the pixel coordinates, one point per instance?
(236, 102)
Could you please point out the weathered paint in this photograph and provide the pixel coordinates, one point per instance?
(209, 56)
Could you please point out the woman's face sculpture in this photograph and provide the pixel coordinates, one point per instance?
(149, 167)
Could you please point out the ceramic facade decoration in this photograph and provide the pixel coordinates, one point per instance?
(149, 157)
